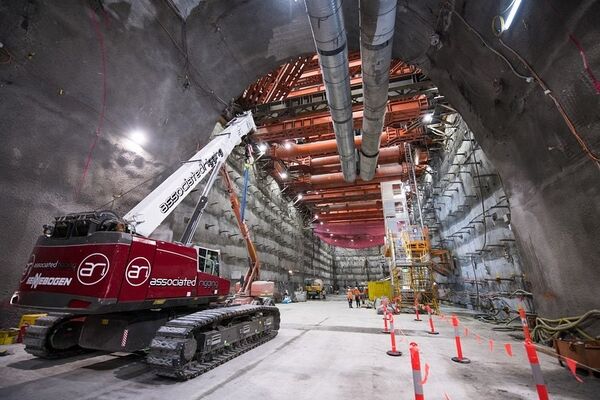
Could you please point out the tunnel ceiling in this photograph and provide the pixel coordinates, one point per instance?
(90, 71)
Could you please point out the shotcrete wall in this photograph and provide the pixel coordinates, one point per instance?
(485, 271)
(356, 266)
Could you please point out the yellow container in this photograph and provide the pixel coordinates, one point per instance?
(29, 319)
(380, 289)
(8, 336)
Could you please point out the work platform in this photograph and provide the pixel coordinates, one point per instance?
(324, 350)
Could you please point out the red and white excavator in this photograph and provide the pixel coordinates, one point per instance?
(108, 286)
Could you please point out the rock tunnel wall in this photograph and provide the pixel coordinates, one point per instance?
(355, 266)
(485, 270)
(78, 66)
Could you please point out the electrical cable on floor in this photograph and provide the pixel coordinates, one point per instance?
(546, 330)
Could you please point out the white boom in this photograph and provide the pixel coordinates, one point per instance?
(154, 208)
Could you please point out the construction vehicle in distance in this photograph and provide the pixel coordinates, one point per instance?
(108, 286)
(314, 289)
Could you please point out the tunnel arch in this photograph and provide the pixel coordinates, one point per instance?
(550, 182)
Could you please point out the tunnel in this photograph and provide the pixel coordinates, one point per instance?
(102, 99)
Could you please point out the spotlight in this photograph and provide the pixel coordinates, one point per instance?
(300, 196)
(138, 136)
(283, 175)
(427, 118)
(321, 222)
(262, 147)
(511, 15)
(287, 145)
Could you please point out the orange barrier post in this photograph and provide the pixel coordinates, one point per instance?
(385, 321)
(542, 390)
(459, 355)
(393, 352)
(416, 370)
(432, 330)
(524, 323)
(417, 310)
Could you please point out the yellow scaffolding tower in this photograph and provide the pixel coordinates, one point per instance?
(412, 269)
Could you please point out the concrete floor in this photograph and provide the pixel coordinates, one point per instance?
(324, 351)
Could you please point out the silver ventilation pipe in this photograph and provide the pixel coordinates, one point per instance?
(327, 24)
(377, 20)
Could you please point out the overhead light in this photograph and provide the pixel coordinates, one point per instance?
(427, 118)
(138, 136)
(511, 15)
(352, 240)
(299, 196)
(283, 175)
(321, 222)
(287, 145)
(316, 216)
(331, 235)
(262, 147)
(291, 272)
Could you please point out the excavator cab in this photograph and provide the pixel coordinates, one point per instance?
(209, 260)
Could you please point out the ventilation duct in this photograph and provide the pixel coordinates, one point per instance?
(327, 24)
(377, 19)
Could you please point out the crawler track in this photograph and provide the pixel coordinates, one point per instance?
(190, 345)
(38, 337)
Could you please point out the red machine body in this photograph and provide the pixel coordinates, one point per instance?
(115, 271)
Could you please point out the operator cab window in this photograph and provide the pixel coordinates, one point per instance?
(208, 261)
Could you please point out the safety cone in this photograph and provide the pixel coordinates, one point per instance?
(524, 323)
(416, 370)
(393, 352)
(431, 330)
(459, 355)
(417, 318)
(385, 321)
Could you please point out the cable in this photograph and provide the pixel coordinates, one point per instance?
(100, 37)
(594, 157)
(527, 79)
(546, 330)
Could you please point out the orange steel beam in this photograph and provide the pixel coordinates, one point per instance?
(357, 222)
(347, 206)
(345, 198)
(335, 180)
(320, 123)
(351, 215)
(318, 86)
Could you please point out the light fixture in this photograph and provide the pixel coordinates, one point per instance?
(291, 272)
(427, 118)
(299, 196)
(331, 235)
(262, 147)
(138, 136)
(321, 222)
(352, 240)
(511, 15)
(316, 216)
(283, 175)
(287, 145)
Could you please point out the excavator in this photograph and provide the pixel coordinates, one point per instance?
(107, 285)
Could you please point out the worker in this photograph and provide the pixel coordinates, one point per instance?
(357, 296)
(350, 297)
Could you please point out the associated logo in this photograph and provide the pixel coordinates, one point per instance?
(138, 271)
(28, 267)
(93, 269)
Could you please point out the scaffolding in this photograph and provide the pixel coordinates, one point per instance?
(411, 268)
